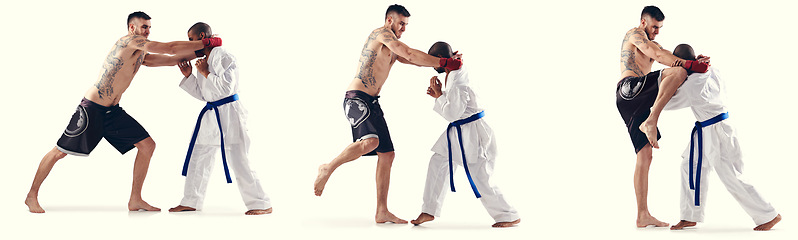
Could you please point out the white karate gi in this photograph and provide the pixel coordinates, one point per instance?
(222, 82)
(458, 102)
(704, 94)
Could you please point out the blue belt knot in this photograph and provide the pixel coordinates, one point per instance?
(456, 125)
(210, 106)
(696, 184)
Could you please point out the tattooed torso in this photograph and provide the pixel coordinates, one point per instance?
(119, 68)
(633, 61)
(375, 63)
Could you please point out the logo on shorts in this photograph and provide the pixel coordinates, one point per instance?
(356, 111)
(78, 124)
(631, 88)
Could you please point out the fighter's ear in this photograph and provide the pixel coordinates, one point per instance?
(202, 35)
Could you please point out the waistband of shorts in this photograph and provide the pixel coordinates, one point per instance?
(360, 94)
(90, 104)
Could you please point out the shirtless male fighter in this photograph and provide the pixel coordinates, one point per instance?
(637, 92)
(99, 115)
(369, 130)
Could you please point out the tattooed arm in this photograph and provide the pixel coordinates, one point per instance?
(176, 47)
(158, 60)
(653, 49)
(405, 53)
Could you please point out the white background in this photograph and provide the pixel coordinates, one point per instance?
(545, 72)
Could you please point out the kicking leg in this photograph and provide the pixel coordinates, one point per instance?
(644, 218)
(46, 165)
(384, 162)
(672, 78)
(351, 152)
(145, 148)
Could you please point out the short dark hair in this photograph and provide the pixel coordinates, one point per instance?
(653, 12)
(201, 27)
(684, 51)
(441, 50)
(398, 9)
(138, 14)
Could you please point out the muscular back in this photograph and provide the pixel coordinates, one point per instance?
(119, 68)
(375, 62)
(633, 61)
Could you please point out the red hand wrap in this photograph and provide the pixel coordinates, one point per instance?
(212, 42)
(696, 66)
(451, 64)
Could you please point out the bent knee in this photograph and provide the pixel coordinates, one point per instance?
(387, 155)
(678, 73)
(146, 145)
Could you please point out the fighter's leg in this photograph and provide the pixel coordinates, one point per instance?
(351, 152)
(384, 163)
(672, 78)
(249, 186)
(730, 172)
(200, 167)
(492, 198)
(45, 166)
(644, 218)
(145, 148)
(434, 189)
(691, 214)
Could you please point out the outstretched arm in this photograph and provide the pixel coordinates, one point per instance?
(174, 48)
(406, 54)
(158, 60)
(654, 50)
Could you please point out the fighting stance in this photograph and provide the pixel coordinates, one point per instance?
(468, 141)
(217, 84)
(99, 115)
(713, 145)
(369, 129)
(637, 93)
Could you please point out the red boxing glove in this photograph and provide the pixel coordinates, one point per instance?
(696, 66)
(212, 42)
(451, 64)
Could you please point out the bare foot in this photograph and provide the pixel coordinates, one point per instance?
(181, 208)
(650, 129)
(321, 179)
(140, 205)
(506, 224)
(768, 225)
(683, 224)
(422, 218)
(258, 211)
(649, 221)
(384, 217)
(33, 205)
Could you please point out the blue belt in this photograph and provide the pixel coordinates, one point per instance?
(210, 106)
(456, 125)
(696, 185)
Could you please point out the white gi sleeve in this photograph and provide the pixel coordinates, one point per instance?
(222, 75)
(190, 85)
(452, 104)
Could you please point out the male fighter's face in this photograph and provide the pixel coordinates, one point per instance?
(398, 23)
(652, 27)
(192, 36)
(139, 26)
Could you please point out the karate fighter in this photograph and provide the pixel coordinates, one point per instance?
(217, 84)
(713, 145)
(638, 97)
(99, 116)
(468, 142)
(369, 130)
